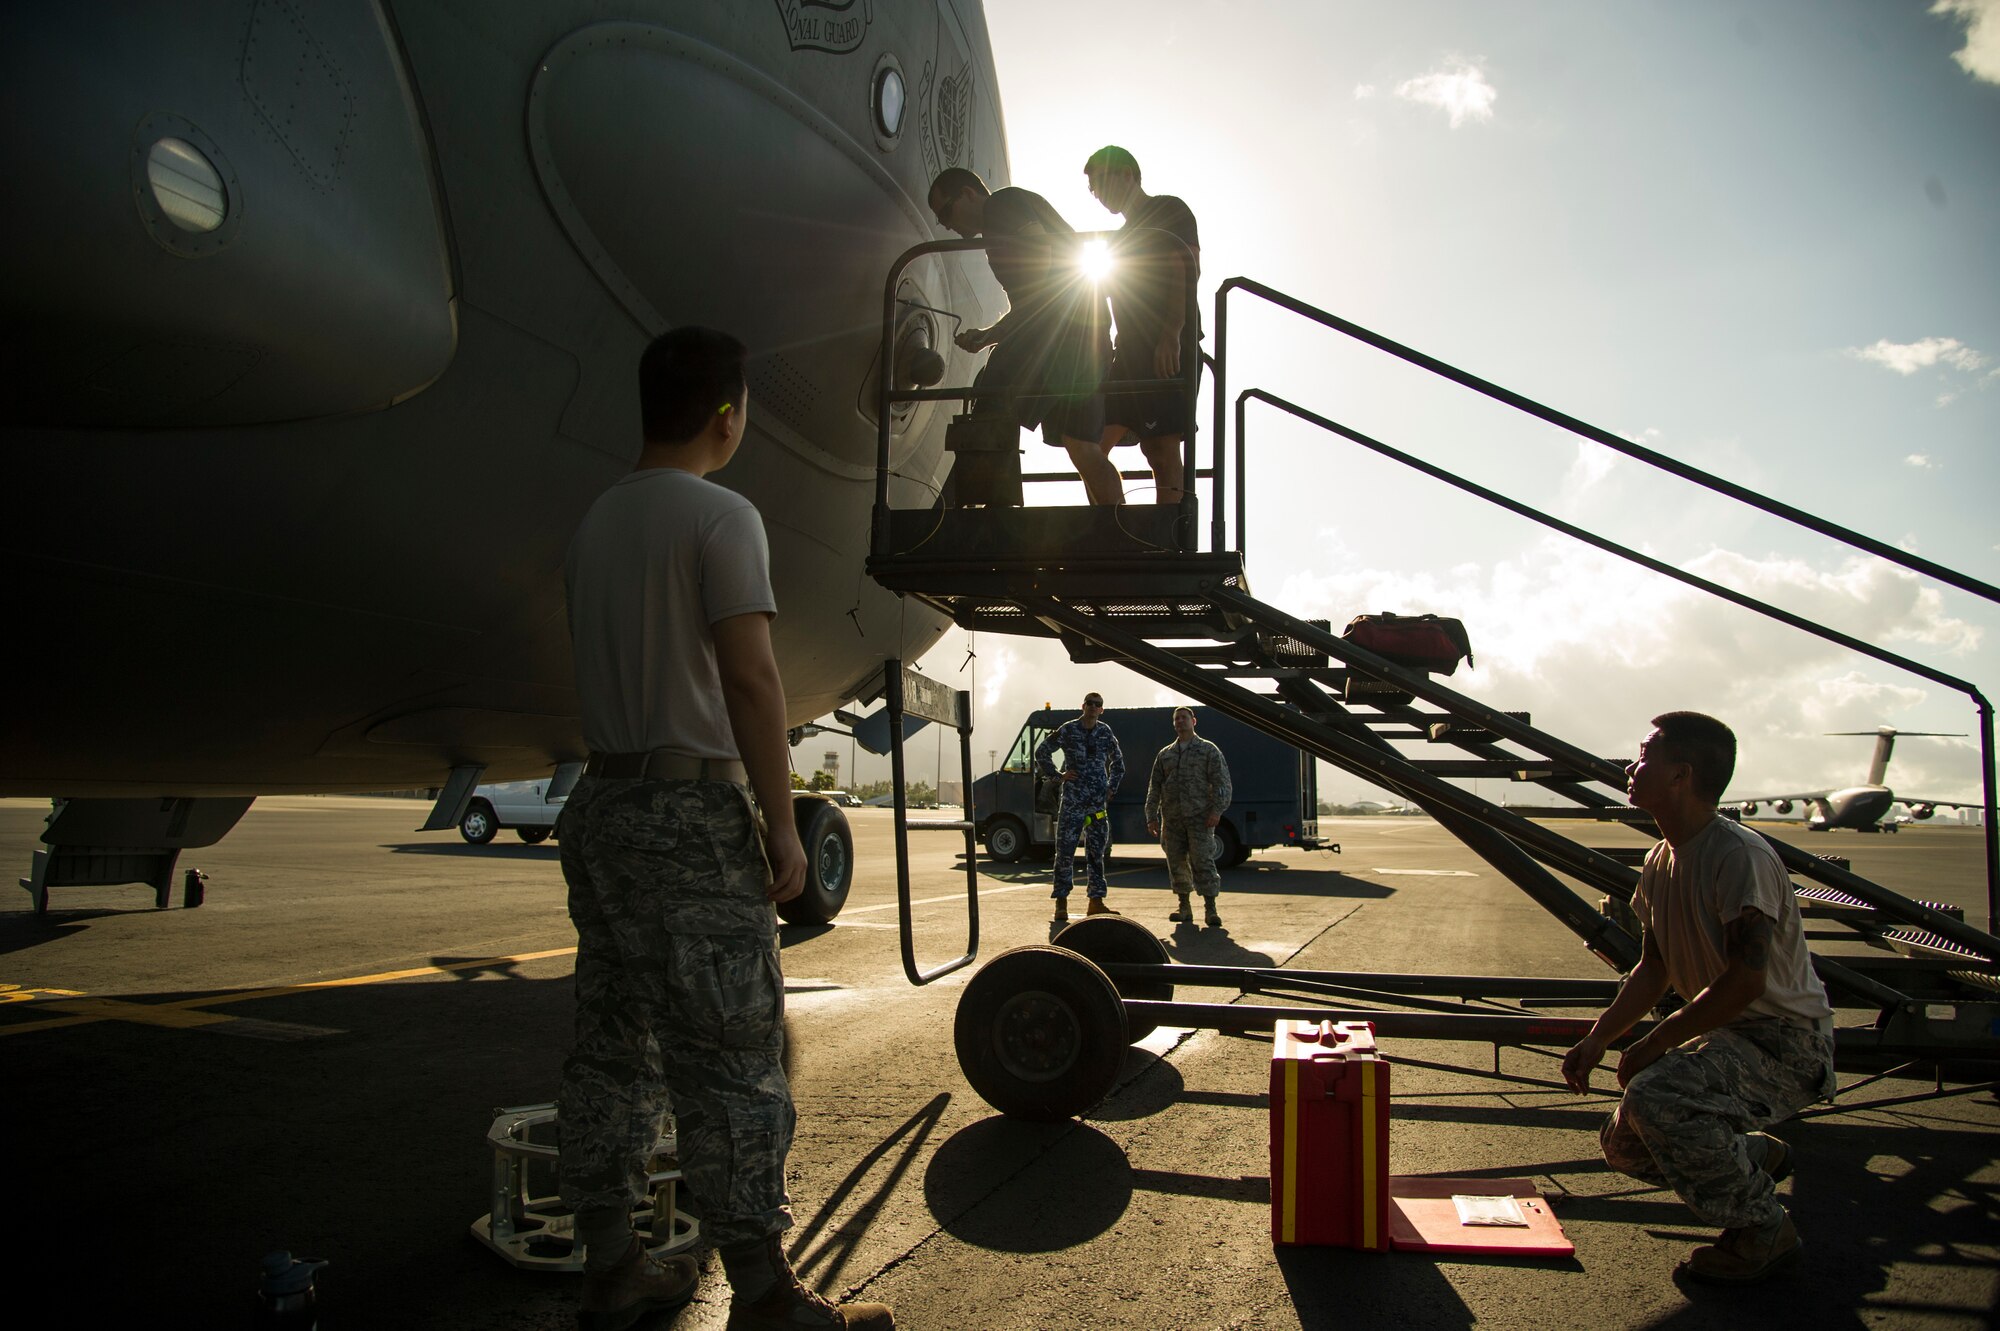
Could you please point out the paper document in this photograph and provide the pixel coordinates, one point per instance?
(1489, 1211)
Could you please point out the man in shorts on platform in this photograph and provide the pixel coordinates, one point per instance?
(1053, 345)
(671, 870)
(1753, 1042)
(1149, 304)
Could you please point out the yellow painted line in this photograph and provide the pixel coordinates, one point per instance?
(1373, 1165)
(14, 993)
(185, 1013)
(145, 1014)
(1290, 1184)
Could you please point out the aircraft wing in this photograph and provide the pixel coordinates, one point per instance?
(1769, 799)
(1940, 804)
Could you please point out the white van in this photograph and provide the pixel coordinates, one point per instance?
(523, 806)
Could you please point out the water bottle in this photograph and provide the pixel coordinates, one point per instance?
(285, 1297)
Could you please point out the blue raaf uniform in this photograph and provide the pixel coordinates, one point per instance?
(1092, 753)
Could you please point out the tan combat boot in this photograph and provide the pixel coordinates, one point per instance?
(1744, 1256)
(641, 1283)
(787, 1304)
(1183, 913)
(1098, 906)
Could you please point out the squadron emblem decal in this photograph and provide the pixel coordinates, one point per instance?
(946, 120)
(835, 26)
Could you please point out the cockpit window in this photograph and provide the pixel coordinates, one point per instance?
(1021, 758)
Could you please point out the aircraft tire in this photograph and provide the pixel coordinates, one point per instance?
(829, 846)
(1006, 839)
(534, 836)
(1114, 938)
(1229, 848)
(478, 826)
(1040, 1033)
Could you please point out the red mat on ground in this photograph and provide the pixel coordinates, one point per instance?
(1423, 1218)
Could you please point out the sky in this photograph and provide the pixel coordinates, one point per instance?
(1760, 238)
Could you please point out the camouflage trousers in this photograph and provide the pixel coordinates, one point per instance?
(1190, 846)
(1092, 827)
(1682, 1121)
(679, 1004)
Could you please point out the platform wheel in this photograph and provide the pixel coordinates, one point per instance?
(1040, 1033)
(534, 836)
(1120, 938)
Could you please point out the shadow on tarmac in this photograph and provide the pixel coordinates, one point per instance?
(514, 851)
(821, 1256)
(993, 1184)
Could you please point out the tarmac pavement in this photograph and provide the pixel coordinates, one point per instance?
(311, 1061)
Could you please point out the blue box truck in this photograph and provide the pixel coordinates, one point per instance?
(1276, 787)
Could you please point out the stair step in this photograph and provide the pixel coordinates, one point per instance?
(1514, 769)
(1831, 901)
(1923, 943)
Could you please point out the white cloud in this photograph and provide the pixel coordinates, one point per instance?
(1907, 358)
(1460, 90)
(1363, 91)
(1980, 56)
(1592, 646)
(1922, 461)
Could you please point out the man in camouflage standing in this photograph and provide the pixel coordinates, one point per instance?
(1185, 798)
(671, 872)
(1752, 1045)
(1093, 767)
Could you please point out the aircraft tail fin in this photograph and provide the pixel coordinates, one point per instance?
(1885, 744)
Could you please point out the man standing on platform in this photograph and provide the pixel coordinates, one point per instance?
(1052, 347)
(1157, 250)
(1185, 798)
(1093, 767)
(1754, 1042)
(672, 873)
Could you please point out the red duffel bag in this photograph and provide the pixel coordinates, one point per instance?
(1415, 642)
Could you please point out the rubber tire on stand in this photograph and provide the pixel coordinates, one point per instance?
(829, 849)
(1112, 938)
(1229, 848)
(1040, 1033)
(479, 826)
(1006, 840)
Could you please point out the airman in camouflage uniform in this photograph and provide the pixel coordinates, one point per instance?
(672, 874)
(677, 972)
(1185, 797)
(1093, 767)
(1753, 1042)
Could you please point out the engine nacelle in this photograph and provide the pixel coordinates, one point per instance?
(1782, 806)
(1748, 810)
(1922, 811)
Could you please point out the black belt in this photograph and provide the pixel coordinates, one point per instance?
(662, 765)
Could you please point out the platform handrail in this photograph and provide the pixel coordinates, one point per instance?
(892, 691)
(1786, 617)
(1189, 381)
(1707, 480)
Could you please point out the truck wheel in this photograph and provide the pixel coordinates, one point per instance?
(1006, 839)
(1040, 1033)
(1229, 848)
(1104, 939)
(534, 836)
(479, 825)
(829, 847)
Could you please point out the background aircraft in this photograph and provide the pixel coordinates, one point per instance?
(1859, 807)
(322, 322)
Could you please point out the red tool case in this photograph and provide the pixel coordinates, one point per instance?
(1329, 1136)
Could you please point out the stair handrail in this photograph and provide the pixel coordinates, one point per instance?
(1835, 636)
(1708, 480)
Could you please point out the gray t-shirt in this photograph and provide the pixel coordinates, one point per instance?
(1687, 896)
(660, 557)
